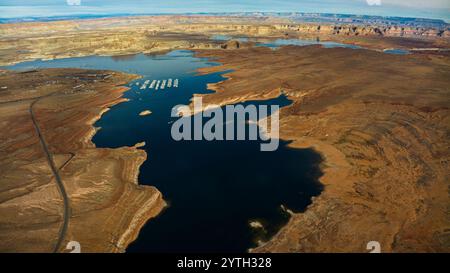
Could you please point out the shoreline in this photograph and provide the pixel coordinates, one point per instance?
(101, 183)
(367, 170)
(154, 206)
(161, 51)
(149, 37)
(332, 165)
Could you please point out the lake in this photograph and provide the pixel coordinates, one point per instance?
(215, 189)
(277, 43)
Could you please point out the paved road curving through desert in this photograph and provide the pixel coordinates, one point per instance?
(62, 190)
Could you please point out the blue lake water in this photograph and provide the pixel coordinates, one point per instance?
(214, 189)
(397, 51)
(220, 37)
(300, 42)
(277, 43)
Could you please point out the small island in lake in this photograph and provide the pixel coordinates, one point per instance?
(145, 113)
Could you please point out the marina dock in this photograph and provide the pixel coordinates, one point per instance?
(159, 84)
(144, 85)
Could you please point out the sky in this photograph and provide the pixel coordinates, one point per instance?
(439, 9)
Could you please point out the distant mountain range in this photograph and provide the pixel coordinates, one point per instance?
(295, 16)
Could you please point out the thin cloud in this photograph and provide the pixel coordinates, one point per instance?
(374, 2)
(74, 2)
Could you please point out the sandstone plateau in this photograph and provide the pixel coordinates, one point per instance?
(107, 207)
(148, 34)
(381, 123)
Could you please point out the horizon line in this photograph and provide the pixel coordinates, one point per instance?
(75, 15)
